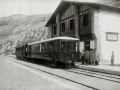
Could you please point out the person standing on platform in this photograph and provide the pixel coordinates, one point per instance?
(79, 56)
(87, 54)
(92, 56)
(112, 58)
(97, 56)
(82, 56)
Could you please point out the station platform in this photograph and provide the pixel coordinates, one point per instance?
(103, 68)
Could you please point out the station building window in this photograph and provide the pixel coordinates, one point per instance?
(85, 19)
(62, 26)
(72, 24)
(54, 30)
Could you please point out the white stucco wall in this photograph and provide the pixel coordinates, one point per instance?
(107, 20)
(81, 46)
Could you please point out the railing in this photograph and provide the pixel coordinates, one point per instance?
(85, 30)
(70, 33)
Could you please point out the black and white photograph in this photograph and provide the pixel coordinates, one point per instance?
(59, 44)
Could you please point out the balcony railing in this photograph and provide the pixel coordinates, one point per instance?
(70, 33)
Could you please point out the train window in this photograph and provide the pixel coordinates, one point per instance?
(74, 46)
(34, 47)
(37, 47)
(23, 48)
(31, 48)
(50, 46)
(40, 47)
(56, 46)
(63, 46)
(69, 46)
(26, 48)
(47, 46)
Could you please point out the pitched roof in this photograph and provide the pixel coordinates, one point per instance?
(107, 3)
(55, 38)
(110, 3)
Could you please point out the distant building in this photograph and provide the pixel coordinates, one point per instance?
(96, 24)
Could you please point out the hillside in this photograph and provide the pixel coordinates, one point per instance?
(18, 29)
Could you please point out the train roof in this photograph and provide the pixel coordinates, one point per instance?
(56, 38)
(20, 45)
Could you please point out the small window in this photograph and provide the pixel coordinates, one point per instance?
(63, 46)
(75, 46)
(40, 47)
(32, 47)
(72, 24)
(56, 46)
(69, 46)
(46, 46)
(54, 30)
(85, 19)
(50, 46)
(62, 25)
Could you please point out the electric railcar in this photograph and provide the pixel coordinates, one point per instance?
(55, 51)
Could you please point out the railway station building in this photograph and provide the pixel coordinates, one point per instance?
(96, 24)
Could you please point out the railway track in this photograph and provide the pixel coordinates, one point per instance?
(54, 75)
(108, 77)
(78, 71)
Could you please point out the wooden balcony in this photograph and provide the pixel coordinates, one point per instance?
(85, 30)
(70, 33)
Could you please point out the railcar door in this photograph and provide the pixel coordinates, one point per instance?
(62, 54)
(55, 50)
(26, 49)
(29, 51)
(69, 50)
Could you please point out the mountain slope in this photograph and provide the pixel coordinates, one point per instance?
(21, 28)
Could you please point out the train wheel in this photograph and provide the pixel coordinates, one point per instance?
(55, 64)
(49, 63)
(68, 66)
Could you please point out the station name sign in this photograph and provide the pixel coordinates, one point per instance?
(111, 36)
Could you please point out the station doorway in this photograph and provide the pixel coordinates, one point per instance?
(87, 45)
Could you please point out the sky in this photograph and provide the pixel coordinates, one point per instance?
(27, 7)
